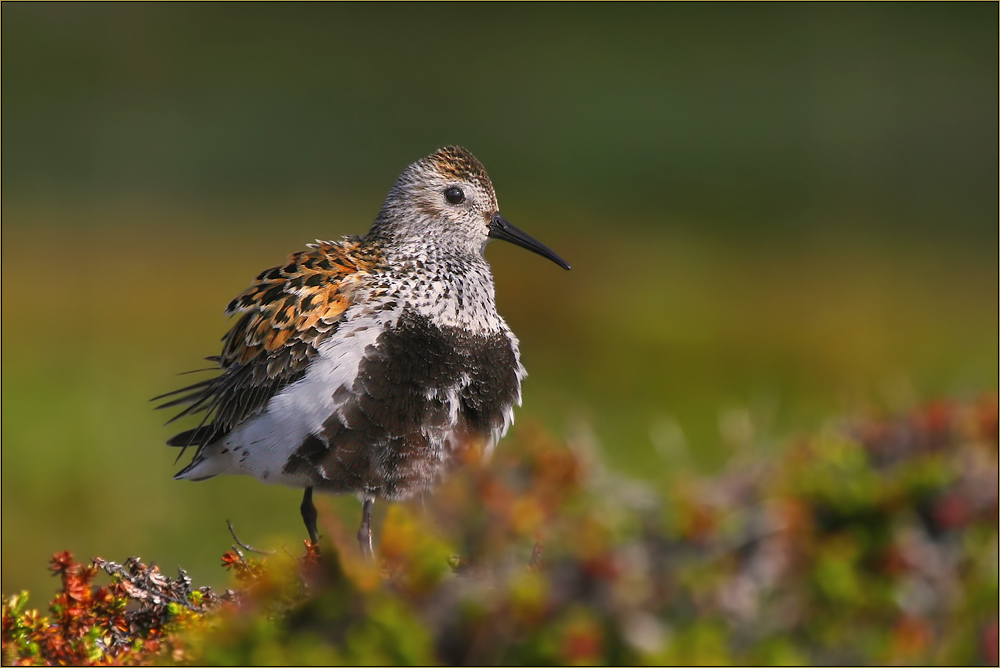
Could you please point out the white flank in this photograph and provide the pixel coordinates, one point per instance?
(262, 445)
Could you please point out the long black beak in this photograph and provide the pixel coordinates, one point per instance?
(500, 228)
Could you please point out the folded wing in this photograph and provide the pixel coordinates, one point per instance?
(283, 318)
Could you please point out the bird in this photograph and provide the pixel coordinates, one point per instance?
(372, 365)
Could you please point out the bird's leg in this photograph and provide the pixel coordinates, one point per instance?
(309, 515)
(365, 532)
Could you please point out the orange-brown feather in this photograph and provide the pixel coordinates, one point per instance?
(299, 300)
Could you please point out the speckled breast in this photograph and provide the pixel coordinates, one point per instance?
(423, 394)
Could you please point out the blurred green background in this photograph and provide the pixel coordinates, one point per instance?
(776, 214)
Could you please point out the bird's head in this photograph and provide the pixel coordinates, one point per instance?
(446, 200)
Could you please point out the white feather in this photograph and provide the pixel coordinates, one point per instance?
(262, 445)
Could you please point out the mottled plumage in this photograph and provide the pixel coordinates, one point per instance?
(369, 365)
(284, 316)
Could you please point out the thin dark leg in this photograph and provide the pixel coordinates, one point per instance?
(365, 532)
(309, 515)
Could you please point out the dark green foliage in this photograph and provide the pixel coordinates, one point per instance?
(872, 543)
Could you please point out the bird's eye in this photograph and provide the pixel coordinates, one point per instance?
(454, 195)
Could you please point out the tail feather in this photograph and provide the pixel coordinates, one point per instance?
(207, 463)
(189, 388)
(198, 436)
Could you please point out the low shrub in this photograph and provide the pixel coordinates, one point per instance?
(871, 543)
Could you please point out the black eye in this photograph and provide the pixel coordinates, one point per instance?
(454, 195)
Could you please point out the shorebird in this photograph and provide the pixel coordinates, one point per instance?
(369, 365)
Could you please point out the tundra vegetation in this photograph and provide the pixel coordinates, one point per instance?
(873, 541)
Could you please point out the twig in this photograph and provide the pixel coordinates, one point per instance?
(246, 547)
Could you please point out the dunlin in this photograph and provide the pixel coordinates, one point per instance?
(373, 364)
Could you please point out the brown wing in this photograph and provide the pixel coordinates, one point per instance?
(284, 316)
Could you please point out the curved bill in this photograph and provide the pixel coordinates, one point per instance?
(500, 228)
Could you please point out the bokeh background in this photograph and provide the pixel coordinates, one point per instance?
(776, 215)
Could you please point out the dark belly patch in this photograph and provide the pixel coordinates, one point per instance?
(388, 436)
